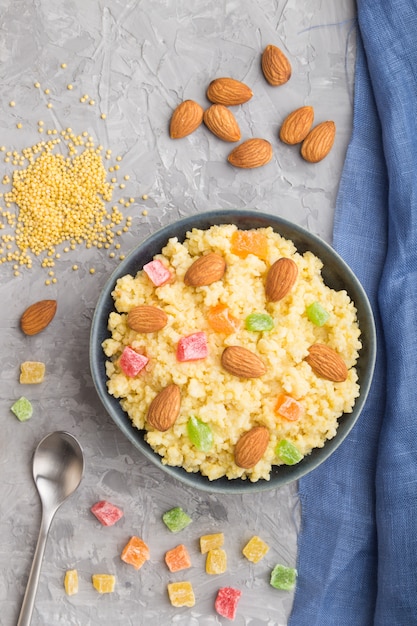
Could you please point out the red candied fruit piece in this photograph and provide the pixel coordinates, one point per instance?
(157, 272)
(192, 347)
(106, 512)
(244, 242)
(131, 362)
(221, 320)
(226, 602)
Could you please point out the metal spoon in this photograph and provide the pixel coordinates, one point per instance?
(58, 465)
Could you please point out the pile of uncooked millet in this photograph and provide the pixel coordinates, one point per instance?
(57, 198)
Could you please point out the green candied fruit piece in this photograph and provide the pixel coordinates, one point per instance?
(176, 519)
(259, 322)
(200, 434)
(23, 409)
(288, 453)
(283, 577)
(317, 314)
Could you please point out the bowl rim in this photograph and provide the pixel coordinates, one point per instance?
(244, 219)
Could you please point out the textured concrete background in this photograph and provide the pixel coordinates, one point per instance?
(137, 60)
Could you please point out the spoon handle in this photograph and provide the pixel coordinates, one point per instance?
(26, 611)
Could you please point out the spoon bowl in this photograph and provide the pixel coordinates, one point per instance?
(58, 466)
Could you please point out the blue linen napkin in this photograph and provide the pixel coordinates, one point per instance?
(357, 561)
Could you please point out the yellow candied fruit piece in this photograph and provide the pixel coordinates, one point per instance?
(181, 594)
(103, 583)
(71, 582)
(216, 561)
(211, 542)
(255, 549)
(32, 372)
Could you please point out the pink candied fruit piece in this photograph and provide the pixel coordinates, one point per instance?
(106, 512)
(226, 602)
(157, 272)
(132, 362)
(192, 347)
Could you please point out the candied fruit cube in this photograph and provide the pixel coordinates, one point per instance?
(157, 272)
(211, 542)
(317, 314)
(178, 558)
(106, 512)
(71, 582)
(200, 434)
(32, 372)
(192, 347)
(289, 408)
(103, 583)
(283, 577)
(221, 320)
(23, 409)
(181, 594)
(176, 519)
(226, 602)
(216, 561)
(245, 242)
(288, 452)
(135, 552)
(131, 362)
(255, 549)
(259, 322)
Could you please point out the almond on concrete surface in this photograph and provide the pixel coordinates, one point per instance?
(228, 91)
(297, 125)
(242, 362)
(222, 123)
(326, 363)
(146, 318)
(38, 316)
(251, 447)
(275, 66)
(205, 270)
(186, 118)
(251, 153)
(165, 408)
(280, 279)
(319, 142)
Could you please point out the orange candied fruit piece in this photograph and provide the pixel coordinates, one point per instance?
(221, 320)
(135, 552)
(246, 242)
(289, 408)
(178, 558)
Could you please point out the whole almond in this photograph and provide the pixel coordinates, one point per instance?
(280, 279)
(318, 142)
(205, 270)
(251, 153)
(38, 316)
(165, 408)
(242, 362)
(222, 123)
(251, 447)
(275, 66)
(228, 91)
(186, 118)
(146, 319)
(297, 125)
(327, 363)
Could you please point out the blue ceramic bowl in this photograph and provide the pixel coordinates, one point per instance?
(336, 275)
